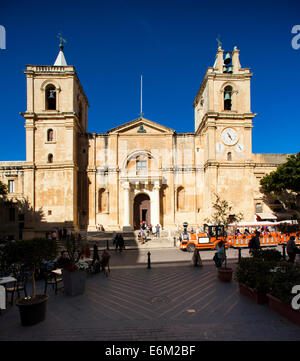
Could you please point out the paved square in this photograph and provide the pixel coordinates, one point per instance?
(172, 301)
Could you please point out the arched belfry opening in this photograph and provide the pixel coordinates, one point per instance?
(141, 210)
(228, 97)
(50, 100)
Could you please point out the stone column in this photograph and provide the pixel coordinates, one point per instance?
(156, 205)
(126, 188)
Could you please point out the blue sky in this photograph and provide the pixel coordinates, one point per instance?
(111, 43)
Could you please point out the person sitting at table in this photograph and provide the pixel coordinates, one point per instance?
(62, 260)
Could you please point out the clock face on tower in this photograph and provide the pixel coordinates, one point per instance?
(239, 147)
(229, 136)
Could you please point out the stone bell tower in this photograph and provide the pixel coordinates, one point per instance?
(56, 143)
(223, 122)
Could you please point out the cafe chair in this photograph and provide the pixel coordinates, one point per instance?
(17, 286)
(52, 279)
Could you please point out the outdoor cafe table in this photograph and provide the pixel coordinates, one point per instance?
(57, 271)
(3, 282)
(8, 279)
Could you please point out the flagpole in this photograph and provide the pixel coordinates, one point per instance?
(141, 113)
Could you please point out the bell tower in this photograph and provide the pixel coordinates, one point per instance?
(56, 142)
(223, 125)
(223, 116)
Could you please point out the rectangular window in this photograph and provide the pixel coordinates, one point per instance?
(258, 208)
(141, 165)
(11, 186)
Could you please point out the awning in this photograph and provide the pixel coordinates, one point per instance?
(264, 216)
(286, 216)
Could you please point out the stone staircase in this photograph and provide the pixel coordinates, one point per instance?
(104, 240)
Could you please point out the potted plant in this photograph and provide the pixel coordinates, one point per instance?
(254, 274)
(30, 254)
(254, 279)
(223, 216)
(74, 271)
(285, 277)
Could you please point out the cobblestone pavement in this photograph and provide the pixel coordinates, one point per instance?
(172, 301)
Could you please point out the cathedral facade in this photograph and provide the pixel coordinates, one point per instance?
(140, 170)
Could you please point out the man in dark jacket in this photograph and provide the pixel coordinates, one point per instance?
(254, 242)
(292, 249)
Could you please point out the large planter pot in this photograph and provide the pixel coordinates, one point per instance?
(284, 310)
(32, 311)
(258, 297)
(74, 282)
(225, 274)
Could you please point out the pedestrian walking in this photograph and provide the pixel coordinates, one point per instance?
(115, 240)
(196, 258)
(120, 242)
(104, 262)
(292, 249)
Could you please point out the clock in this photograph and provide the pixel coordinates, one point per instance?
(239, 147)
(229, 136)
(220, 147)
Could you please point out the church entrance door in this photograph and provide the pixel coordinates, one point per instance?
(141, 210)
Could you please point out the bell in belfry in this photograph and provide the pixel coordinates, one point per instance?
(225, 69)
(227, 59)
(227, 97)
(230, 69)
(51, 94)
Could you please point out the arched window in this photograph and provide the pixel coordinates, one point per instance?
(180, 198)
(102, 200)
(50, 100)
(50, 158)
(227, 97)
(141, 164)
(50, 135)
(229, 156)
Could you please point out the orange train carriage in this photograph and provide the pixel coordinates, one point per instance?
(206, 240)
(213, 234)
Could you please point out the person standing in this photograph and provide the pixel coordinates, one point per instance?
(196, 258)
(254, 243)
(220, 254)
(95, 253)
(292, 249)
(157, 231)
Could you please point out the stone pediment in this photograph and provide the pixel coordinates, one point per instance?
(141, 126)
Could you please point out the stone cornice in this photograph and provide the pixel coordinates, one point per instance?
(216, 118)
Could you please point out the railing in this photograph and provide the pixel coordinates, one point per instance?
(272, 239)
(49, 68)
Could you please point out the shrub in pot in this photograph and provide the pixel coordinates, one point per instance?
(284, 277)
(74, 271)
(30, 254)
(254, 278)
(267, 255)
